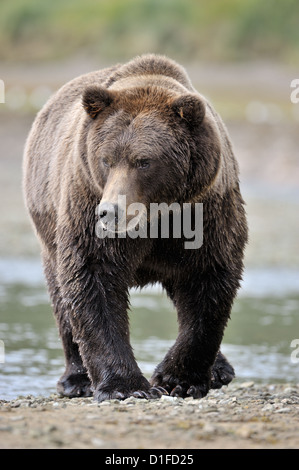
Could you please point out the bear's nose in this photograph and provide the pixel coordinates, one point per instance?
(108, 212)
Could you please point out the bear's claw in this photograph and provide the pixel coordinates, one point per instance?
(183, 391)
(152, 393)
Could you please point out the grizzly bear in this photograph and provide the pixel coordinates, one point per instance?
(142, 131)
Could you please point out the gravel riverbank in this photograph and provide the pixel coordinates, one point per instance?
(240, 416)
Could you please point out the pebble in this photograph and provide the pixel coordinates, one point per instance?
(6, 428)
(283, 410)
(209, 428)
(105, 403)
(289, 390)
(96, 442)
(16, 418)
(168, 398)
(244, 431)
(247, 384)
(268, 407)
(131, 401)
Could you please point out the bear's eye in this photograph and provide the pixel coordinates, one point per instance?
(142, 164)
(106, 163)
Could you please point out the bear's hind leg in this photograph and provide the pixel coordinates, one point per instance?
(74, 382)
(222, 372)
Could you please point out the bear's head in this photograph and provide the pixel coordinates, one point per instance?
(149, 144)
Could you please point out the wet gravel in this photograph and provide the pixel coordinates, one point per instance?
(242, 415)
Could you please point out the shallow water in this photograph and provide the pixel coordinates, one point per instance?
(264, 321)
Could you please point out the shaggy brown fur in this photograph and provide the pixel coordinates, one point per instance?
(141, 130)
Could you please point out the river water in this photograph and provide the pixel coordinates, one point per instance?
(257, 340)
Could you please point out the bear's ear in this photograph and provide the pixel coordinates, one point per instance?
(95, 99)
(190, 108)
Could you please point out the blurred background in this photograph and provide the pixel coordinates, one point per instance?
(243, 56)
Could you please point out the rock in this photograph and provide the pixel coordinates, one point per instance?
(244, 431)
(16, 404)
(105, 403)
(211, 409)
(269, 407)
(168, 399)
(6, 428)
(17, 418)
(290, 391)
(49, 429)
(247, 384)
(131, 401)
(209, 429)
(96, 442)
(283, 410)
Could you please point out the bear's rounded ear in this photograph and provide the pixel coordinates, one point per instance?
(95, 99)
(190, 108)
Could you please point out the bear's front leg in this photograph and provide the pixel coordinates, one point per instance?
(203, 304)
(98, 299)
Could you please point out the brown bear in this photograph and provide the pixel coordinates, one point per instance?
(142, 131)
